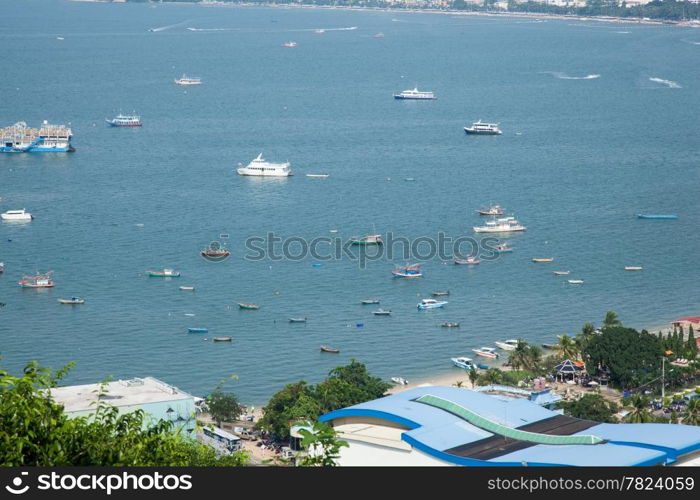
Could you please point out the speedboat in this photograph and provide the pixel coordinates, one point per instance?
(431, 304)
(652, 216)
(507, 345)
(382, 312)
(399, 380)
(369, 301)
(504, 225)
(332, 350)
(197, 330)
(165, 273)
(479, 128)
(561, 273)
(408, 271)
(492, 210)
(575, 282)
(186, 80)
(415, 94)
(187, 288)
(297, 320)
(440, 294)
(16, 215)
(260, 167)
(250, 307)
(548, 259)
(450, 324)
(486, 352)
(290, 45)
(464, 363)
(371, 239)
(72, 301)
(318, 176)
(37, 281)
(471, 261)
(633, 268)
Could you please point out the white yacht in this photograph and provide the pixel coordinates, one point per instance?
(431, 304)
(507, 345)
(415, 94)
(16, 215)
(263, 168)
(504, 225)
(479, 128)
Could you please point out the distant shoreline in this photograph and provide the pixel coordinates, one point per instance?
(450, 12)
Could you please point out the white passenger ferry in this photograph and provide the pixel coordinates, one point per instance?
(479, 128)
(260, 167)
(415, 94)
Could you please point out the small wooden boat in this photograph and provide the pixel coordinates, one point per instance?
(222, 339)
(399, 380)
(382, 312)
(450, 324)
(440, 294)
(187, 288)
(482, 366)
(72, 301)
(471, 261)
(214, 254)
(548, 259)
(575, 282)
(633, 268)
(561, 273)
(369, 301)
(329, 349)
(297, 320)
(654, 216)
(197, 330)
(165, 273)
(249, 307)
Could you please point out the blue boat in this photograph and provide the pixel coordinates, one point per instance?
(197, 330)
(652, 216)
(483, 367)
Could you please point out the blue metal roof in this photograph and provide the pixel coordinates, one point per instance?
(433, 430)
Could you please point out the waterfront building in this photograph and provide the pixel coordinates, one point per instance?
(442, 426)
(158, 400)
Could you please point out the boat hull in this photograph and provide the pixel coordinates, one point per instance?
(481, 132)
(409, 98)
(645, 216)
(197, 330)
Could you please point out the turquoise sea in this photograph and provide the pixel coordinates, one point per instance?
(589, 153)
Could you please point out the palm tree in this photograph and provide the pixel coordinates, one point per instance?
(588, 330)
(534, 357)
(518, 357)
(567, 348)
(473, 376)
(611, 319)
(692, 413)
(459, 384)
(638, 407)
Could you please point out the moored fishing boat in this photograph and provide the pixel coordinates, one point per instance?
(250, 307)
(222, 339)
(486, 352)
(124, 121)
(290, 45)
(547, 259)
(408, 271)
(440, 294)
(431, 304)
(450, 324)
(37, 280)
(575, 282)
(214, 254)
(507, 345)
(197, 330)
(382, 312)
(297, 320)
(187, 288)
(492, 210)
(633, 268)
(72, 301)
(318, 176)
(561, 273)
(503, 248)
(332, 350)
(656, 216)
(463, 363)
(370, 239)
(186, 80)
(369, 301)
(165, 273)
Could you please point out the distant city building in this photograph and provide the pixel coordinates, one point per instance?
(432, 425)
(158, 400)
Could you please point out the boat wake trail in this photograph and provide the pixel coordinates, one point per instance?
(669, 83)
(163, 28)
(564, 76)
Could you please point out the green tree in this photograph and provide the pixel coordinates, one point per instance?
(223, 406)
(567, 348)
(35, 431)
(611, 319)
(692, 412)
(692, 346)
(293, 402)
(473, 376)
(591, 407)
(638, 407)
(525, 356)
(322, 444)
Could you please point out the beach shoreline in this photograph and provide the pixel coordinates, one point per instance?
(450, 12)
